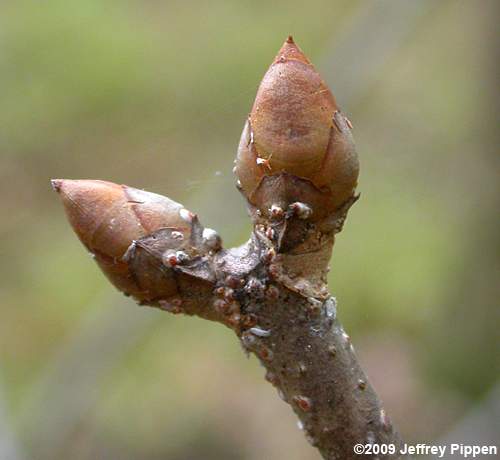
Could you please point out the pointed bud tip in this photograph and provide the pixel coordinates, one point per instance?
(56, 184)
(290, 51)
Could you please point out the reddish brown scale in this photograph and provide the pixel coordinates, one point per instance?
(303, 403)
(362, 385)
(172, 260)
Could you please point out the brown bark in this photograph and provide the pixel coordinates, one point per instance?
(298, 169)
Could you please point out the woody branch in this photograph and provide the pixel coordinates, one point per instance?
(297, 168)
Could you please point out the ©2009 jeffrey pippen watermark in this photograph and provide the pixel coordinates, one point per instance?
(437, 450)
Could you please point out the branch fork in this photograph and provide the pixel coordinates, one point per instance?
(297, 168)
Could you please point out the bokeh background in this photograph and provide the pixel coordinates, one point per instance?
(154, 94)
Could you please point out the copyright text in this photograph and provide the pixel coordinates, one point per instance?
(439, 451)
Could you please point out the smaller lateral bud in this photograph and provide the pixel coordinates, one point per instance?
(296, 145)
(127, 230)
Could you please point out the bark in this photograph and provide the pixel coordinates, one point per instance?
(309, 358)
(292, 327)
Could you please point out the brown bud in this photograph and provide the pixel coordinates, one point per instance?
(296, 145)
(111, 219)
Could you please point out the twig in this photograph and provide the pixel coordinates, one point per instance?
(297, 168)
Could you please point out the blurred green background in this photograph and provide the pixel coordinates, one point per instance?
(154, 95)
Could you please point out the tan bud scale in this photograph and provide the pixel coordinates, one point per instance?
(108, 218)
(295, 130)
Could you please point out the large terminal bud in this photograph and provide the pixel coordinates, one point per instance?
(296, 146)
